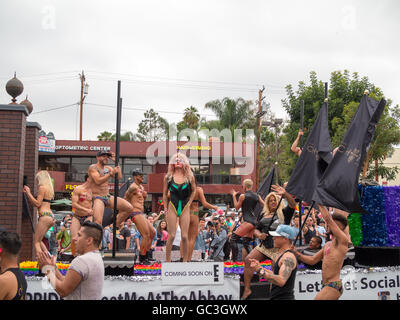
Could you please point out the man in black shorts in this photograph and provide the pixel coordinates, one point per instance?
(12, 281)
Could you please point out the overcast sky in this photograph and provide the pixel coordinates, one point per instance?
(174, 54)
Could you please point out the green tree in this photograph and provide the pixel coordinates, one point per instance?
(191, 118)
(106, 136)
(152, 128)
(344, 96)
(231, 114)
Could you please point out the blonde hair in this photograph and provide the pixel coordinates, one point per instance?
(279, 211)
(44, 179)
(248, 183)
(187, 171)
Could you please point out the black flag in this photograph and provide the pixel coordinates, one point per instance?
(338, 186)
(263, 191)
(314, 159)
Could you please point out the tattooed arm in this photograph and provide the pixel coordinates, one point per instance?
(287, 265)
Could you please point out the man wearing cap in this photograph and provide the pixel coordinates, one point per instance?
(332, 255)
(283, 276)
(99, 174)
(136, 195)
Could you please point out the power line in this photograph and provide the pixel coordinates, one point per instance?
(141, 109)
(169, 84)
(178, 79)
(56, 108)
(40, 81)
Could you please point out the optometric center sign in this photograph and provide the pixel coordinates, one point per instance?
(82, 148)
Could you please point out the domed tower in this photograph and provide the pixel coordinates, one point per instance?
(27, 104)
(14, 88)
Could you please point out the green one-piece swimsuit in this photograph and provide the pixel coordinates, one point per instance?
(180, 194)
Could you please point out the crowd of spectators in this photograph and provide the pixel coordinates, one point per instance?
(215, 230)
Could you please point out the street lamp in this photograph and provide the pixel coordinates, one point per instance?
(275, 123)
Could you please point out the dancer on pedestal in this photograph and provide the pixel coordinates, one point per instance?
(180, 183)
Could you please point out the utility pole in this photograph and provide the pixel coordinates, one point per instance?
(84, 92)
(259, 115)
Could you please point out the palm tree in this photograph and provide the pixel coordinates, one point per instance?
(233, 114)
(106, 136)
(191, 118)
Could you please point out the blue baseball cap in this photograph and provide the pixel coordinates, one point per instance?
(286, 231)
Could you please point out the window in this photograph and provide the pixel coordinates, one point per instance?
(81, 164)
(55, 163)
(132, 164)
(200, 166)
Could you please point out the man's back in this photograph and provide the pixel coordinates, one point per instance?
(14, 281)
(91, 268)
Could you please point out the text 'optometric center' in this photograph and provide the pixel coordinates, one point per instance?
(218, 167)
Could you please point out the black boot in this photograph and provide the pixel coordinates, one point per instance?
(143, 259)
(149, 256)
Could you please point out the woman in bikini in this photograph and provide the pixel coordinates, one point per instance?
(42, 202)
(179, 183)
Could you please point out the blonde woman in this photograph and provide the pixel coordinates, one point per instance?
(42, 202)
(180, 185)
(274, 212)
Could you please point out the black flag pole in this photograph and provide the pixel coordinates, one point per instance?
(301, 122)
(301, 146)
(116, 181)
(301, 225)
(300, 213)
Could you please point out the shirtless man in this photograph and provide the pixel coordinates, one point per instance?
(136, 195)
(82, 202)
(332, 256)
(99, 174)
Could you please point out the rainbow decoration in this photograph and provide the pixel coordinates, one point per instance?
(229, 268)
(141, 269)
(379, 227)
(30, 268)
(238, 267)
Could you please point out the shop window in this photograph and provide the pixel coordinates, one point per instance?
(55, 163)
(132, 161)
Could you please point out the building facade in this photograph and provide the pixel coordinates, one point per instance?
(219, 167)
(393, 161)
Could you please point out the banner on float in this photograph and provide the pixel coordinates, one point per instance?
(181, 274)
(140, 288)
(358, 284)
